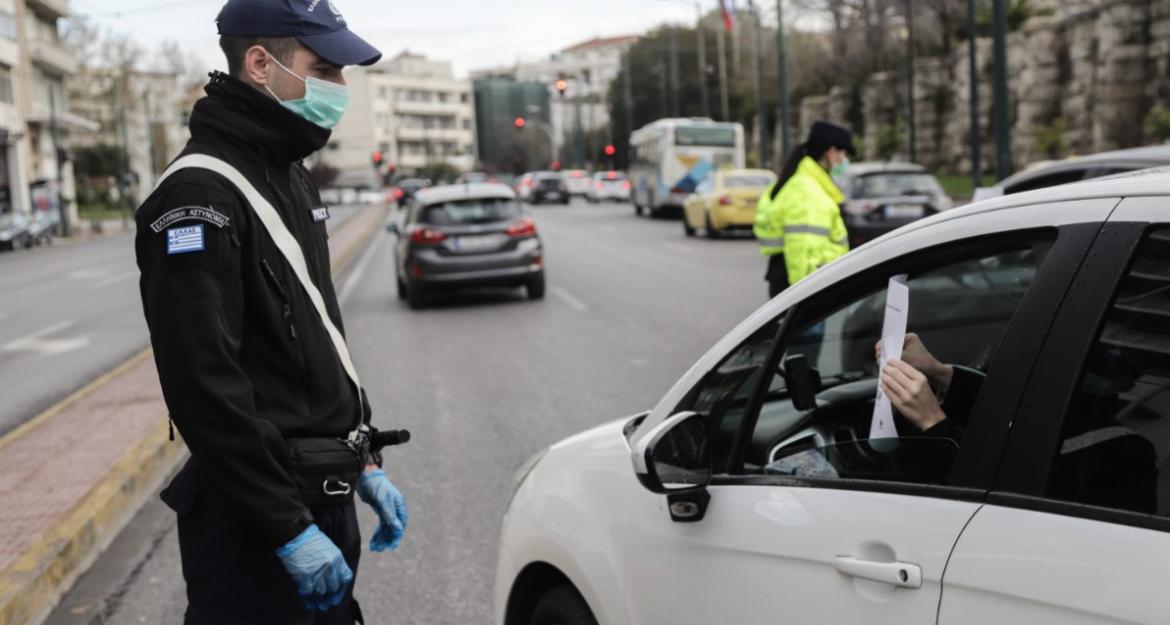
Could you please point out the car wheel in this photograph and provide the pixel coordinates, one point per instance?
(415, 297)
(535, 287)
(565, 202)
(687, 229)
(563, 605)
(712, 233)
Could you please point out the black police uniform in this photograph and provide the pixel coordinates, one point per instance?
(244, 359)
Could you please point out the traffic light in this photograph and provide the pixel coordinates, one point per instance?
(562, 86)
(377, 158)
(610, 150)
(520, 122)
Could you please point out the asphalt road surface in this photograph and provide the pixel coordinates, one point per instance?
(69, 313)
(483, 380)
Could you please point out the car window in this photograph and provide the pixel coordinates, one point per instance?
(1044, 181)
(1115, 443)
(890, 184)
(747, 181)
(470, 212)
(959, 310)
(706, 186)
(722, 397)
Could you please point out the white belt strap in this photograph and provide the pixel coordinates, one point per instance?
(285, 242)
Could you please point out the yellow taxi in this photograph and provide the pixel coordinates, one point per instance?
(725, 200)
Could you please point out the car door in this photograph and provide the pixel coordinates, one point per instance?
(808, 522)
(1078, 527)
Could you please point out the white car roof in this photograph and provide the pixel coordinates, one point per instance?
(471, 191)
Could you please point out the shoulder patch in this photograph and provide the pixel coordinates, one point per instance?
(185, 240)
(202, 213)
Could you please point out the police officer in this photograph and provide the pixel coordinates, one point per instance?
(798, 220)
(245, 361)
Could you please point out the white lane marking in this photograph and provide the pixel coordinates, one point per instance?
(569, 299)
(37, 343)
(112, 280)
(360, 269)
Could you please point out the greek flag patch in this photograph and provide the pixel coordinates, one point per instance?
(185, 240)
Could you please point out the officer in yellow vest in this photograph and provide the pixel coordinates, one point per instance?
(798, 220)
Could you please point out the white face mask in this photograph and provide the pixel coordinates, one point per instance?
(324, 102)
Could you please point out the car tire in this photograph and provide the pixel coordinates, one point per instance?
(565, 202)
(415, 297)
(687, 229)
(712, 233)
(563, 605)
(536, 287)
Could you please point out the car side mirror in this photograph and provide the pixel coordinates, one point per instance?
(803, 381)
(674, 459)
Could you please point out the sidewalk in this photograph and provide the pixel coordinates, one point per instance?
(73, 476)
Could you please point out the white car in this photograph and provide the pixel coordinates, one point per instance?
(751, 493)
(609, 186)
(578, 181)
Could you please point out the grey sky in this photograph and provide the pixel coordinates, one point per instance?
(471, 33)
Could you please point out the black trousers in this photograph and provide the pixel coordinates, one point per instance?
(234, 577)
(777, 275)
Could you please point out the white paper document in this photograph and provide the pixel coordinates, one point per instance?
(893, 337)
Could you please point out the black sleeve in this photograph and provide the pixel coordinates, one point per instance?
(194, 306)
(960, 397)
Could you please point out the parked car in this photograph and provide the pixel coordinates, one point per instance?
(726, 200)
(548, 186)
(472, 177)
(578, 181)
(43, 226)
(466, 236)
(1076, 169)
(884, 196)
(609, 186)
(753, 491)
(407, 187)
(15, 231)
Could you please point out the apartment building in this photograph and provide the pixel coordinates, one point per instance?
(413, 111)
(34, 118)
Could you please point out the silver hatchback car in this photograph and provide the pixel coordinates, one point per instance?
(466, 236)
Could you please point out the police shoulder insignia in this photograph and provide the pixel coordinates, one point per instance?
(205, 214)
(185, 240)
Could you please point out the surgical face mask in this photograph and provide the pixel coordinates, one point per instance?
(840, 168)
(324, 102)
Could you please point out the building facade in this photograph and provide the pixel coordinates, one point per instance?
(34, 118)
(142, 112)
(410, 109)
(588, 69)
(503, 147)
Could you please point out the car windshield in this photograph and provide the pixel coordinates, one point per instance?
(891, 184)
(470, 212)
(716, 136)
(747, 181)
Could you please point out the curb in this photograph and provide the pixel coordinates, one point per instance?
(32, 586)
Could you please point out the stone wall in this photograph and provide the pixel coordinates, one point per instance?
(1101, 65)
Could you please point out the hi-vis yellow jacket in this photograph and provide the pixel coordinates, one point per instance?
(803, 222)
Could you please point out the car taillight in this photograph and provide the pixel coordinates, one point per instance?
(427, 235)
(531, 184)
(398, 193)
(522, 228)
(627, 186)
(600, 186)
(726, 201)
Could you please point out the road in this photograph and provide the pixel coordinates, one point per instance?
(484, 380)
(69, 313)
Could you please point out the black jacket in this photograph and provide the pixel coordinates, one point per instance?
(242, 355)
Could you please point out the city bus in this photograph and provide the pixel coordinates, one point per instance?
(670, 157)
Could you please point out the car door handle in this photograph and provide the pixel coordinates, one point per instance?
(900, 574)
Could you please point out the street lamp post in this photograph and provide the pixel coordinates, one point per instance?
(976, 143)
(911, 107)
(785, 140)
(703, 91)
(760, 105)
(675, 104)
(1003, 150)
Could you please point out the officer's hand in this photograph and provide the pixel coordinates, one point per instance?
(318, 568)
(909, 392)
(375, 489)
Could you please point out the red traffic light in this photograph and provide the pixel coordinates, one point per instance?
(562, 85)
(610, 150)
(377, 157)
(520, 122)
(556, 165)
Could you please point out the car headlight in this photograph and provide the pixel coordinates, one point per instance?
(524, 470)
(5, 235)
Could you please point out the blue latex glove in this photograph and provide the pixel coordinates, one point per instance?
(318, 568)
(375, 489)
